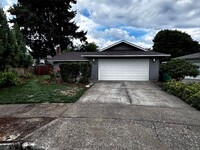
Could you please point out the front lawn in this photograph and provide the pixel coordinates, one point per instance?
(39, 90)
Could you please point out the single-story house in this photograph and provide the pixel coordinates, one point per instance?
(120, 61)
(192, 58)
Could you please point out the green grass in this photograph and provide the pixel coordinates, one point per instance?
(39, 90)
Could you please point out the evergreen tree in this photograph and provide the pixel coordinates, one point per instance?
(88, 47)
(23, 58)
(47, 24)
(12, 47)
(4, 39)
(175, 42)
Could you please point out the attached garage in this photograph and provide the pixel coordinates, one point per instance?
(124, 61)
(123, 69)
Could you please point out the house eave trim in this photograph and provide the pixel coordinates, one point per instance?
(123, 41)
(125, 55)
(67, 60)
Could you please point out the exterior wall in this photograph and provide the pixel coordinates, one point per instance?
(154, 69)
(94, 73)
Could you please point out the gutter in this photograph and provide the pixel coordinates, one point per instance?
(67, 60)
(167, 55)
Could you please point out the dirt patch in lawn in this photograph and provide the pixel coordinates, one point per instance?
(16, 128)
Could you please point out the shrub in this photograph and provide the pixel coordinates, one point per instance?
(195, 99)
(190, 93)
(174, 87)
(178, 69)
(8, 79)
(71, 71)
(85, 69)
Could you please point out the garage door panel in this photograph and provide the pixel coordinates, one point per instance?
(124, 69)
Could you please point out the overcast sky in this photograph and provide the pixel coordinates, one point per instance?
(137, 21)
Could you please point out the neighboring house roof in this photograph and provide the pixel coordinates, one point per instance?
(69, 56)
(190, 56)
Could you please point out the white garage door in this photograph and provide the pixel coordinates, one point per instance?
(124, 69)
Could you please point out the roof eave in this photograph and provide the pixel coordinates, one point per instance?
(125, 55)
(189, 58)
(67, 60)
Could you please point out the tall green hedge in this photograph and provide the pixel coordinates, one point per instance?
(71, 71)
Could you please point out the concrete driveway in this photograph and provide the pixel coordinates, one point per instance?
(119, 115)
(135, 93)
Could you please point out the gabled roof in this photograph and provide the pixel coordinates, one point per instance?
(69, 56)
(117, 50)
(121, 42)
(190, 56)
(125, 49)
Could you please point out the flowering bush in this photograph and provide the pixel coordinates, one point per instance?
(190, 93)
(174, 87)
(195, 99)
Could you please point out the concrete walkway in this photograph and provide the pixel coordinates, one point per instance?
(112, 115)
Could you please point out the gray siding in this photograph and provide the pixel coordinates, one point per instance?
(94, 73)
(154, 69)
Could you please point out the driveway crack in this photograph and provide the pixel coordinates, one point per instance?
(127, 93)
(155, 130)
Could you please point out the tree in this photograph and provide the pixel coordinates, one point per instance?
(175, 43)
(4, 30)
(24, 58)
(179, 68)
(12, 48)
(47, 24)
(88, 47)
(7, 42)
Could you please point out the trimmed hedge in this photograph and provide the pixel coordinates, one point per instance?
(179, 68)
(71, 71)
(9, 79)
(190, 93)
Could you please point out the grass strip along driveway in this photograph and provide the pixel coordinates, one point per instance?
(38, 90)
